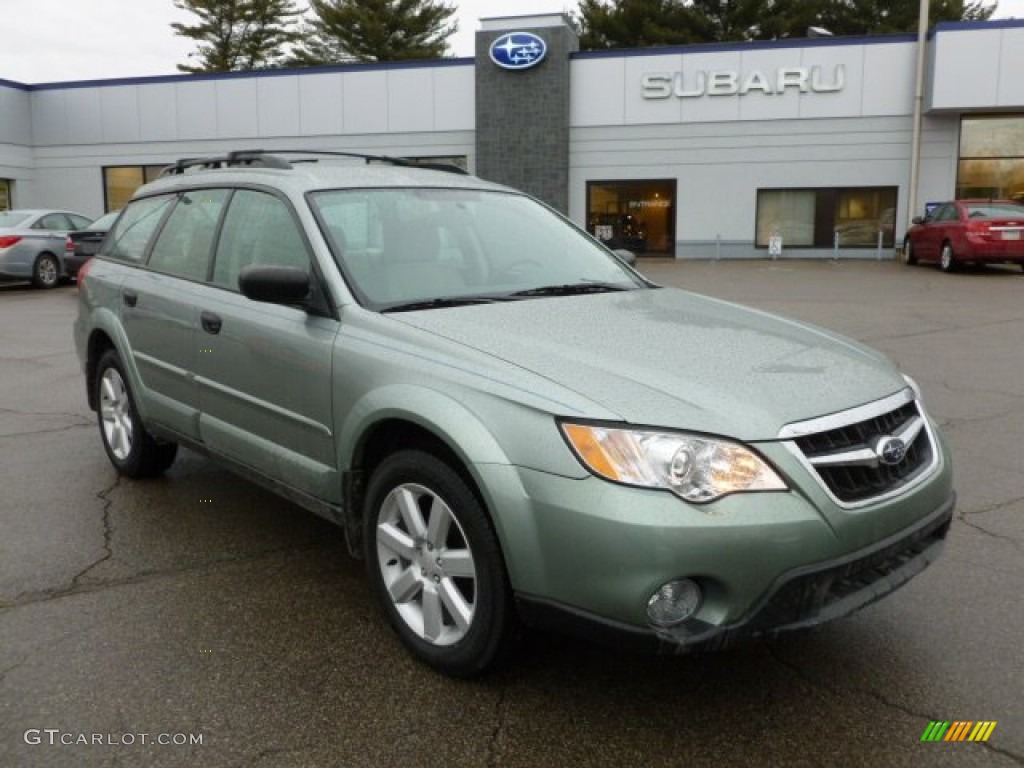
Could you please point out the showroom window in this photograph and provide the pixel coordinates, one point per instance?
(639, 216)
(5, 195)
(812, 218)
(121, 181)
(991, 157)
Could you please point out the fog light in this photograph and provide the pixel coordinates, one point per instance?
(673, 602)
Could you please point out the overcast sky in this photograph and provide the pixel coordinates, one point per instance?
(60, 40)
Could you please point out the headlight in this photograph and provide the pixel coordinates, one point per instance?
(698, 469)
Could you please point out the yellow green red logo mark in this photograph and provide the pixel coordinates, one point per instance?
(958, 730)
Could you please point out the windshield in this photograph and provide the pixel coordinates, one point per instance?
(404, 247)
(11, 219)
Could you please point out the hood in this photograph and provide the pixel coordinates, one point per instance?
(668, 358)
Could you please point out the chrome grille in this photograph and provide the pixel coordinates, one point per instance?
(847, 453)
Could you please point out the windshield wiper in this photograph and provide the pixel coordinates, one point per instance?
(441, 303)
(572, 289)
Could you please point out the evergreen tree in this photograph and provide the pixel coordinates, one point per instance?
(238, 34)
(879, 16)
(637, 23)
(375, 30)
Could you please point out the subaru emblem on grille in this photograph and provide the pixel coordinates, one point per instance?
(890, 450)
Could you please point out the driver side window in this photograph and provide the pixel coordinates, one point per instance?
(259, 229)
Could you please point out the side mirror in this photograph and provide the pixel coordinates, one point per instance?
(627, 256)
(274, 285)
(917, 220)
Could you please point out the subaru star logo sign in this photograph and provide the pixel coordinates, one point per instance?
(891, 451)
(518, 50)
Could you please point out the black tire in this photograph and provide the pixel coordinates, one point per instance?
(416, 565)
(947, 259)
(130, 448)
(909, 257)
(46, 271)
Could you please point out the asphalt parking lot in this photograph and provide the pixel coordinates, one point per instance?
(199, 605)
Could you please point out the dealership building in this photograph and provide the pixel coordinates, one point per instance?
(722, 150)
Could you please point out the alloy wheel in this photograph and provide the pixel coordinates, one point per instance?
(946, 260)
(115, 412)
(426, 564)
(47, 271)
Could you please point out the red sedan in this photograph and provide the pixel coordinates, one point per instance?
(960, 231)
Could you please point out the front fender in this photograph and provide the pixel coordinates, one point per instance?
(495, 475)
(435, 411)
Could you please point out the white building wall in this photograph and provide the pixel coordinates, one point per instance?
(722, 149)
(977, 67)
(16, 160)
(415, 110)
(413, 99)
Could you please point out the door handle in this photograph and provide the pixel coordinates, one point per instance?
(130, 298)
(211, 323)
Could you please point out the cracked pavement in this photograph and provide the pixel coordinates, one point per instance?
(199, 604)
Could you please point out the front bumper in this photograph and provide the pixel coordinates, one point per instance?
(801, 598)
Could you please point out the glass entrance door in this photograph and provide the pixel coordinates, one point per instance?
(639, 216)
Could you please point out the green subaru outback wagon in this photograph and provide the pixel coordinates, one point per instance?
(511, 425)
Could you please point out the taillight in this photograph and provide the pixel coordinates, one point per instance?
(8, 240)
(69, 244)
(979, 230)
(82, 272)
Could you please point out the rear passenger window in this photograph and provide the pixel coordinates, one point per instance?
(55, 222)
(185, 243)
(259, 229)
(128, 239)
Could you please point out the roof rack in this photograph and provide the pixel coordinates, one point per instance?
(261, 159)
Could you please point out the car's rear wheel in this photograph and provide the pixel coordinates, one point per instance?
(909, 257)
(435, 564)
(947, 260)
(132, 450)
(46, 271)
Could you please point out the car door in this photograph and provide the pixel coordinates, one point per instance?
(158, 304)
(49, 233)
(931, 235)
(945, 227)
(264, 370)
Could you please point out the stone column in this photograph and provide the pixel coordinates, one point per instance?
(522, 116)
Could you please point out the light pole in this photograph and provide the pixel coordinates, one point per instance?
(915, 140)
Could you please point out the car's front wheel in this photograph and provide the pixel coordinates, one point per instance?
(947, 261)
(435, 564)
(46, 271)
(909, 256)
(130, 448)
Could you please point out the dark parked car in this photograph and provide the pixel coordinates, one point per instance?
(960, 231)
(83, 244)
(32, 244)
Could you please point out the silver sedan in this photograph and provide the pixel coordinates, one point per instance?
(32, 244)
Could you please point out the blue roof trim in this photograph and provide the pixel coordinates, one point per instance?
(753, 45)
(248, 74)
(17, 86)
(952, 26)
